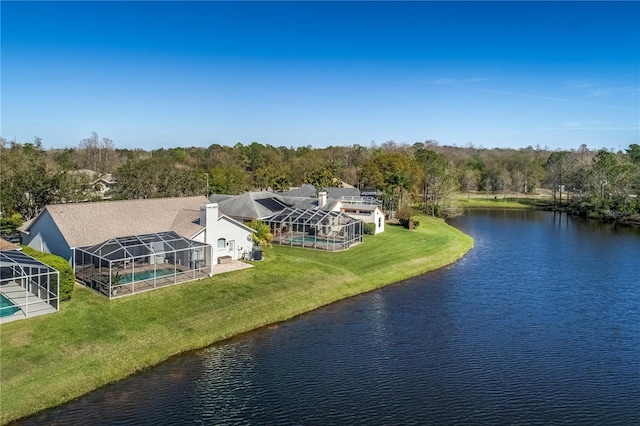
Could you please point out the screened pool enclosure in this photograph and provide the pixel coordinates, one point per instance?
(28, 287)
(128, 265)
(317, 229)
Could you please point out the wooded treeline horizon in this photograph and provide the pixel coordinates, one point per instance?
(600, 183)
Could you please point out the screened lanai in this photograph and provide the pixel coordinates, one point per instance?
(318, 229)
(128, 265)
(28, 287)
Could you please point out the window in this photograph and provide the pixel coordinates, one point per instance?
(379, 222)
(222, 243)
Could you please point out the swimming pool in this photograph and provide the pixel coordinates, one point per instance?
(7, 308)
(145, 275)
(311, 239)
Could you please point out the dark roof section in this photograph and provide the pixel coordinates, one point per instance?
(250, 205)
(137, 245)
(271, 204)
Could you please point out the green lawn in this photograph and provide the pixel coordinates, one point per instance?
(499, 201)
(48, 360)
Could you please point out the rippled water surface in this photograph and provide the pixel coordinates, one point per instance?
(538, 324)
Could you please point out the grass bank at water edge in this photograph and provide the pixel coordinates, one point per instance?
(46, 361)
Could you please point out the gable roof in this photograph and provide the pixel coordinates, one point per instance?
(84, 224)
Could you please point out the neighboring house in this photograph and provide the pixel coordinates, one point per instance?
(303, 218)
(332, 199)
(262, 205)
(101, 184)
(28, 287)
(186, 235)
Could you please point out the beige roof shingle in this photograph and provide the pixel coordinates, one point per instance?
(187, 223)
(84, 224)
(6, 245)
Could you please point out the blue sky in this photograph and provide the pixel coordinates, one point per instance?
(164, 74)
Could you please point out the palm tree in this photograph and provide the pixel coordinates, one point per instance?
(263, 235)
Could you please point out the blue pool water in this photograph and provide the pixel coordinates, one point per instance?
(7, 308)
(145, 275)
(311, 239)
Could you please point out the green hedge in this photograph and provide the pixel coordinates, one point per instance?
(369, 228)
(67, 276)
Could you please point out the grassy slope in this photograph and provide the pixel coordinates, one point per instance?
(92, 341)
(512, 202)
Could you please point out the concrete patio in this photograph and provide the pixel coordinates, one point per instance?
(235, 265)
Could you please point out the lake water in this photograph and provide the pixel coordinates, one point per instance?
(538, 324)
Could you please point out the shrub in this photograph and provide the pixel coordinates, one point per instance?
(67, 275)
(369, 228)
(9, 224)
(405, 223)
(403, 214)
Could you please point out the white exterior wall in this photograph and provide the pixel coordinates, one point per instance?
(237, 237)
(378, 218)
(45, 236)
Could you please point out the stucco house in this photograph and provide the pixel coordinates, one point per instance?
(137, 240)
(301, 217)
(264, 205)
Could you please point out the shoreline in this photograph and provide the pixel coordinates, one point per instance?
(542, 203)
(92, 342)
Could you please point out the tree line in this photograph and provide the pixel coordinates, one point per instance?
(598, 183)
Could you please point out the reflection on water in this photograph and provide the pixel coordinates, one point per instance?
(538, 324)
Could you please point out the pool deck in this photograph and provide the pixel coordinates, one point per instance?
(18, 296)
(234, 265)
(128, 289)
